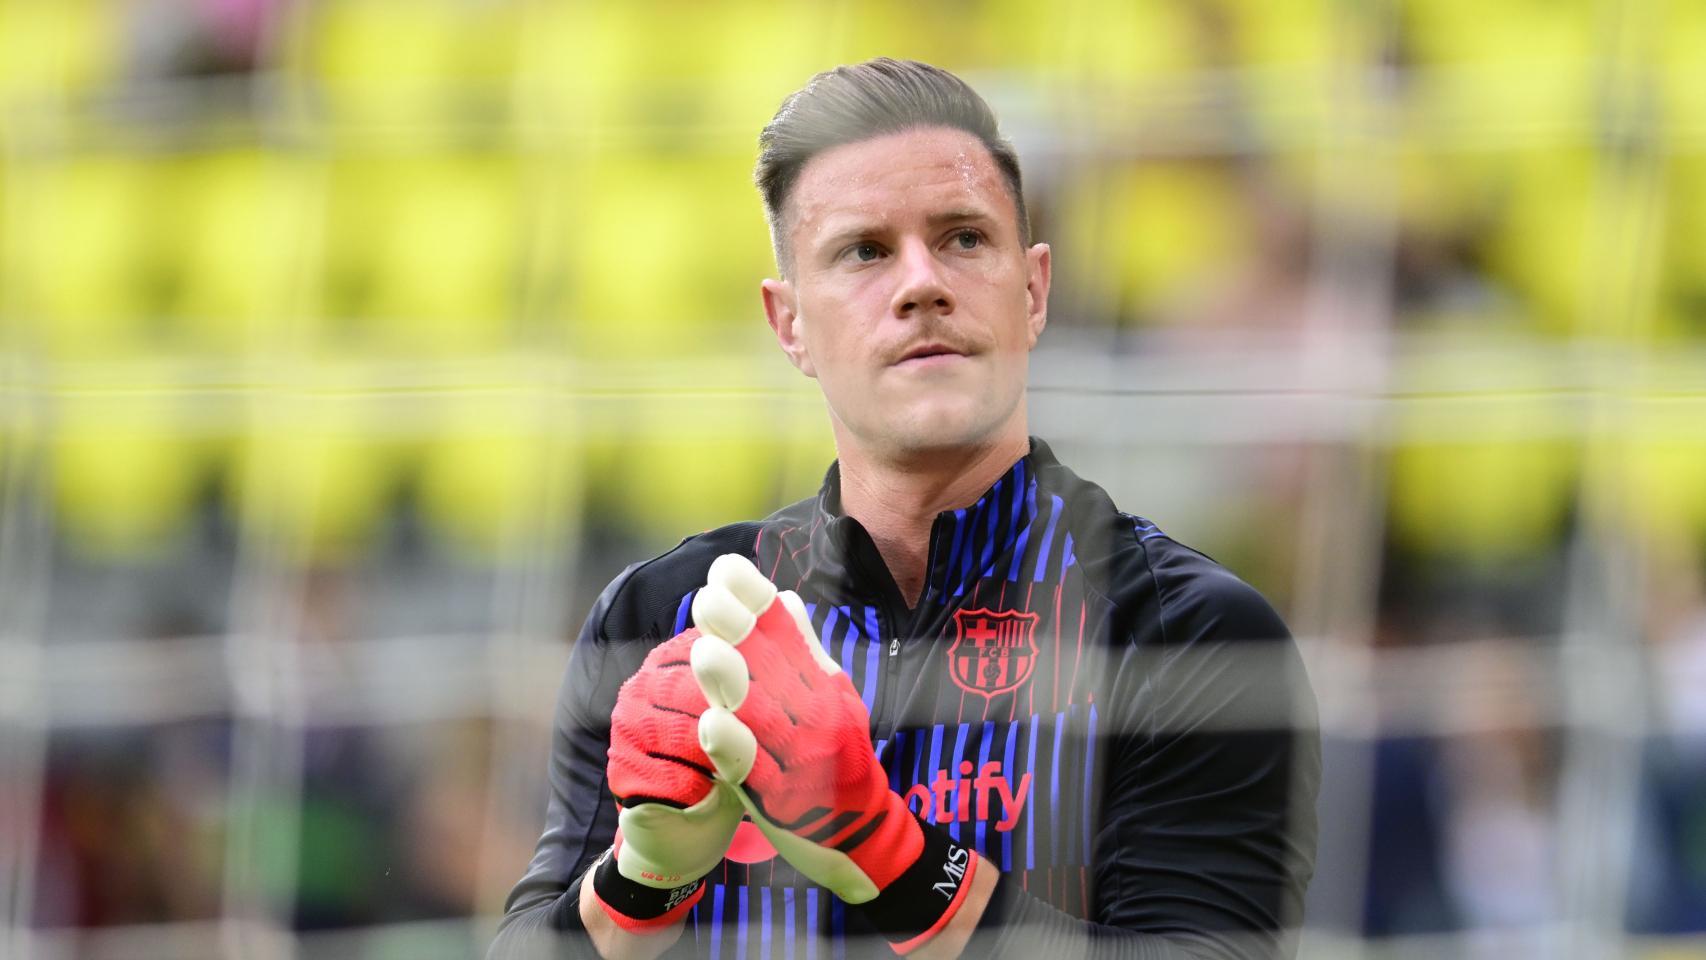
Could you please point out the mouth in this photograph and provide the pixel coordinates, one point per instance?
(928, 354)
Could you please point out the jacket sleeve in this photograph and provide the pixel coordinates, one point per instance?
(542, 913)
(1207, 839)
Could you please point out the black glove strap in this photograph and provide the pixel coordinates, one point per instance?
(916, 902)
(634, 899)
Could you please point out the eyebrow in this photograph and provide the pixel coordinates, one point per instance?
(859, 230)
(956, 215)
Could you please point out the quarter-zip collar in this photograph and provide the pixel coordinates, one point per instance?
(965, 543)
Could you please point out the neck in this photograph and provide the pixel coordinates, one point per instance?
(896, 499)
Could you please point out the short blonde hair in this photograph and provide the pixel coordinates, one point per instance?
(859, 101)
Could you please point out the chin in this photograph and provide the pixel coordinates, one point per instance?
(940, 424)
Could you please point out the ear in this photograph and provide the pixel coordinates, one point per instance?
(1037, 267)
(781, 308)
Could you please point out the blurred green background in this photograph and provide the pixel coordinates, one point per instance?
(347, 349)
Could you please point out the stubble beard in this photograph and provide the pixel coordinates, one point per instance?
(925, 431)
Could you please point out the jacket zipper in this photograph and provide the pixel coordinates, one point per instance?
(885, 721)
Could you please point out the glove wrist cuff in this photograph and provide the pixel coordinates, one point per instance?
(636, 907)
(925, 896)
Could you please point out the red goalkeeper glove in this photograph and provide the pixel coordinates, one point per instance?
(797, 744)
(676, 821)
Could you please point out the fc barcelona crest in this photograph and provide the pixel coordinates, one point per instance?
(994, 651)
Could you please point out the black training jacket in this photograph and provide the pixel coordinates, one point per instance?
(1114, 720)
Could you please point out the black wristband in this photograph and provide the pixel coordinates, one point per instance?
(918, 900)
(634, 899)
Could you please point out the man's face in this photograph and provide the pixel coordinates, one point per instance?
(911, 298)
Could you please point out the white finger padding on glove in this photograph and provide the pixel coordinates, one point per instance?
(720, 670)
(733, 596)
(797, 609)
(718, 611)
(729, 743)
(737, 575)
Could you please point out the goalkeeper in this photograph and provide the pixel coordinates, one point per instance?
(957, 703)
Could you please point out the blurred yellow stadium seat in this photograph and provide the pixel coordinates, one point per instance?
(316, 474)
(1661, 463)
(1682, 263)
(9, 333)
(1028, 40)
(578, 64)
(58, 49)
(1295, 33)
(660, 257)
(807, 450)
(1141, 232)
(388, 62)
(1117, 48)
(240, 220)
(1510, 67)
(487, 475)
(1479, 477)
(1682, 68)
(683, 463)
(125, 472)
(1489, 501)
(611, 72)
(1515, 31)
(1532, 215)
(423, 254)
(80, 250)
(1538, 237)
(1290, 55)
(949, 34)
(1435, 195)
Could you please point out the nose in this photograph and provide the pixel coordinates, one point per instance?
(922, 288)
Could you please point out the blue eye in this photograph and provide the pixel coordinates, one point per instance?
(969, 239)
(865, 252)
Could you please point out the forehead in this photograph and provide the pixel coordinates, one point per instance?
(888, 178)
